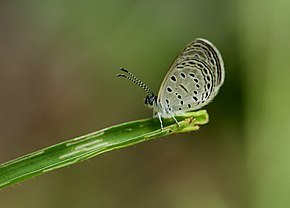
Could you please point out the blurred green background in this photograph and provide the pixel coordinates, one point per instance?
(58, 66)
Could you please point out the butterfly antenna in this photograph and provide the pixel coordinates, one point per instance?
(135, 80)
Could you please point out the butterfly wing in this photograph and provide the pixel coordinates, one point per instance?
(193, 79)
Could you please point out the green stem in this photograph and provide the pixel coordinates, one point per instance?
(84, 147)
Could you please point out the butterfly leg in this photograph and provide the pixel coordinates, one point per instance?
(160, 119)
(175, 119)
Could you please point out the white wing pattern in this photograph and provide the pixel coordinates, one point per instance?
(192, 81)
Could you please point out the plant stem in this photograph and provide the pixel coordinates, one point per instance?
(85, 147)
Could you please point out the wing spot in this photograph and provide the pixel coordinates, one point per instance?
(208, 85)
(197, 86)
(169, 89)
(192, 74)
(208, 78)
(179, 108)
(182, 75)
(195, 98)
(181, 102)
(167, 101)
(189, 106)
(195, 92)
(210, 54)
(196, 80)
(173, 78)
(183, 88)
(179, 96)
(199, 65)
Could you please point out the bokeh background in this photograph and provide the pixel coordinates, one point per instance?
(58, 66)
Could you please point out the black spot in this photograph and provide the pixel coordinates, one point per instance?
(167, 101)
(191, 62)
(195, 98)
(169, 109)
(208, 85)
(179, 108)
(173, 78)
(169, 89)
(184, 88)
(181, 102)
(189, 106)
(195, 92)
(206, 94)
(192, 74)
(197, 85)
(182, 75)
(205, 71)
(179, 96)
(199, 65)
(196, 80)
(203, 101)
(212, 61)
(208, 78)
(176, 93)
(180, 67)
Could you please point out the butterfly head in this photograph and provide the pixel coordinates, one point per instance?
(150, 100)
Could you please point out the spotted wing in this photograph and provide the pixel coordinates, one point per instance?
(193, 79)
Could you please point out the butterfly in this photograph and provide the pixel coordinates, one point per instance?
(192, 81)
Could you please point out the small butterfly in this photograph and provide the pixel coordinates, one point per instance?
(193, 80)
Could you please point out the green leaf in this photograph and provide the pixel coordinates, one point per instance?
(84, 147)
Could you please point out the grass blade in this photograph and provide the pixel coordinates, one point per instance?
(87, 146)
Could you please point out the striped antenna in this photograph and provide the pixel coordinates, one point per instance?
(135, 80)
